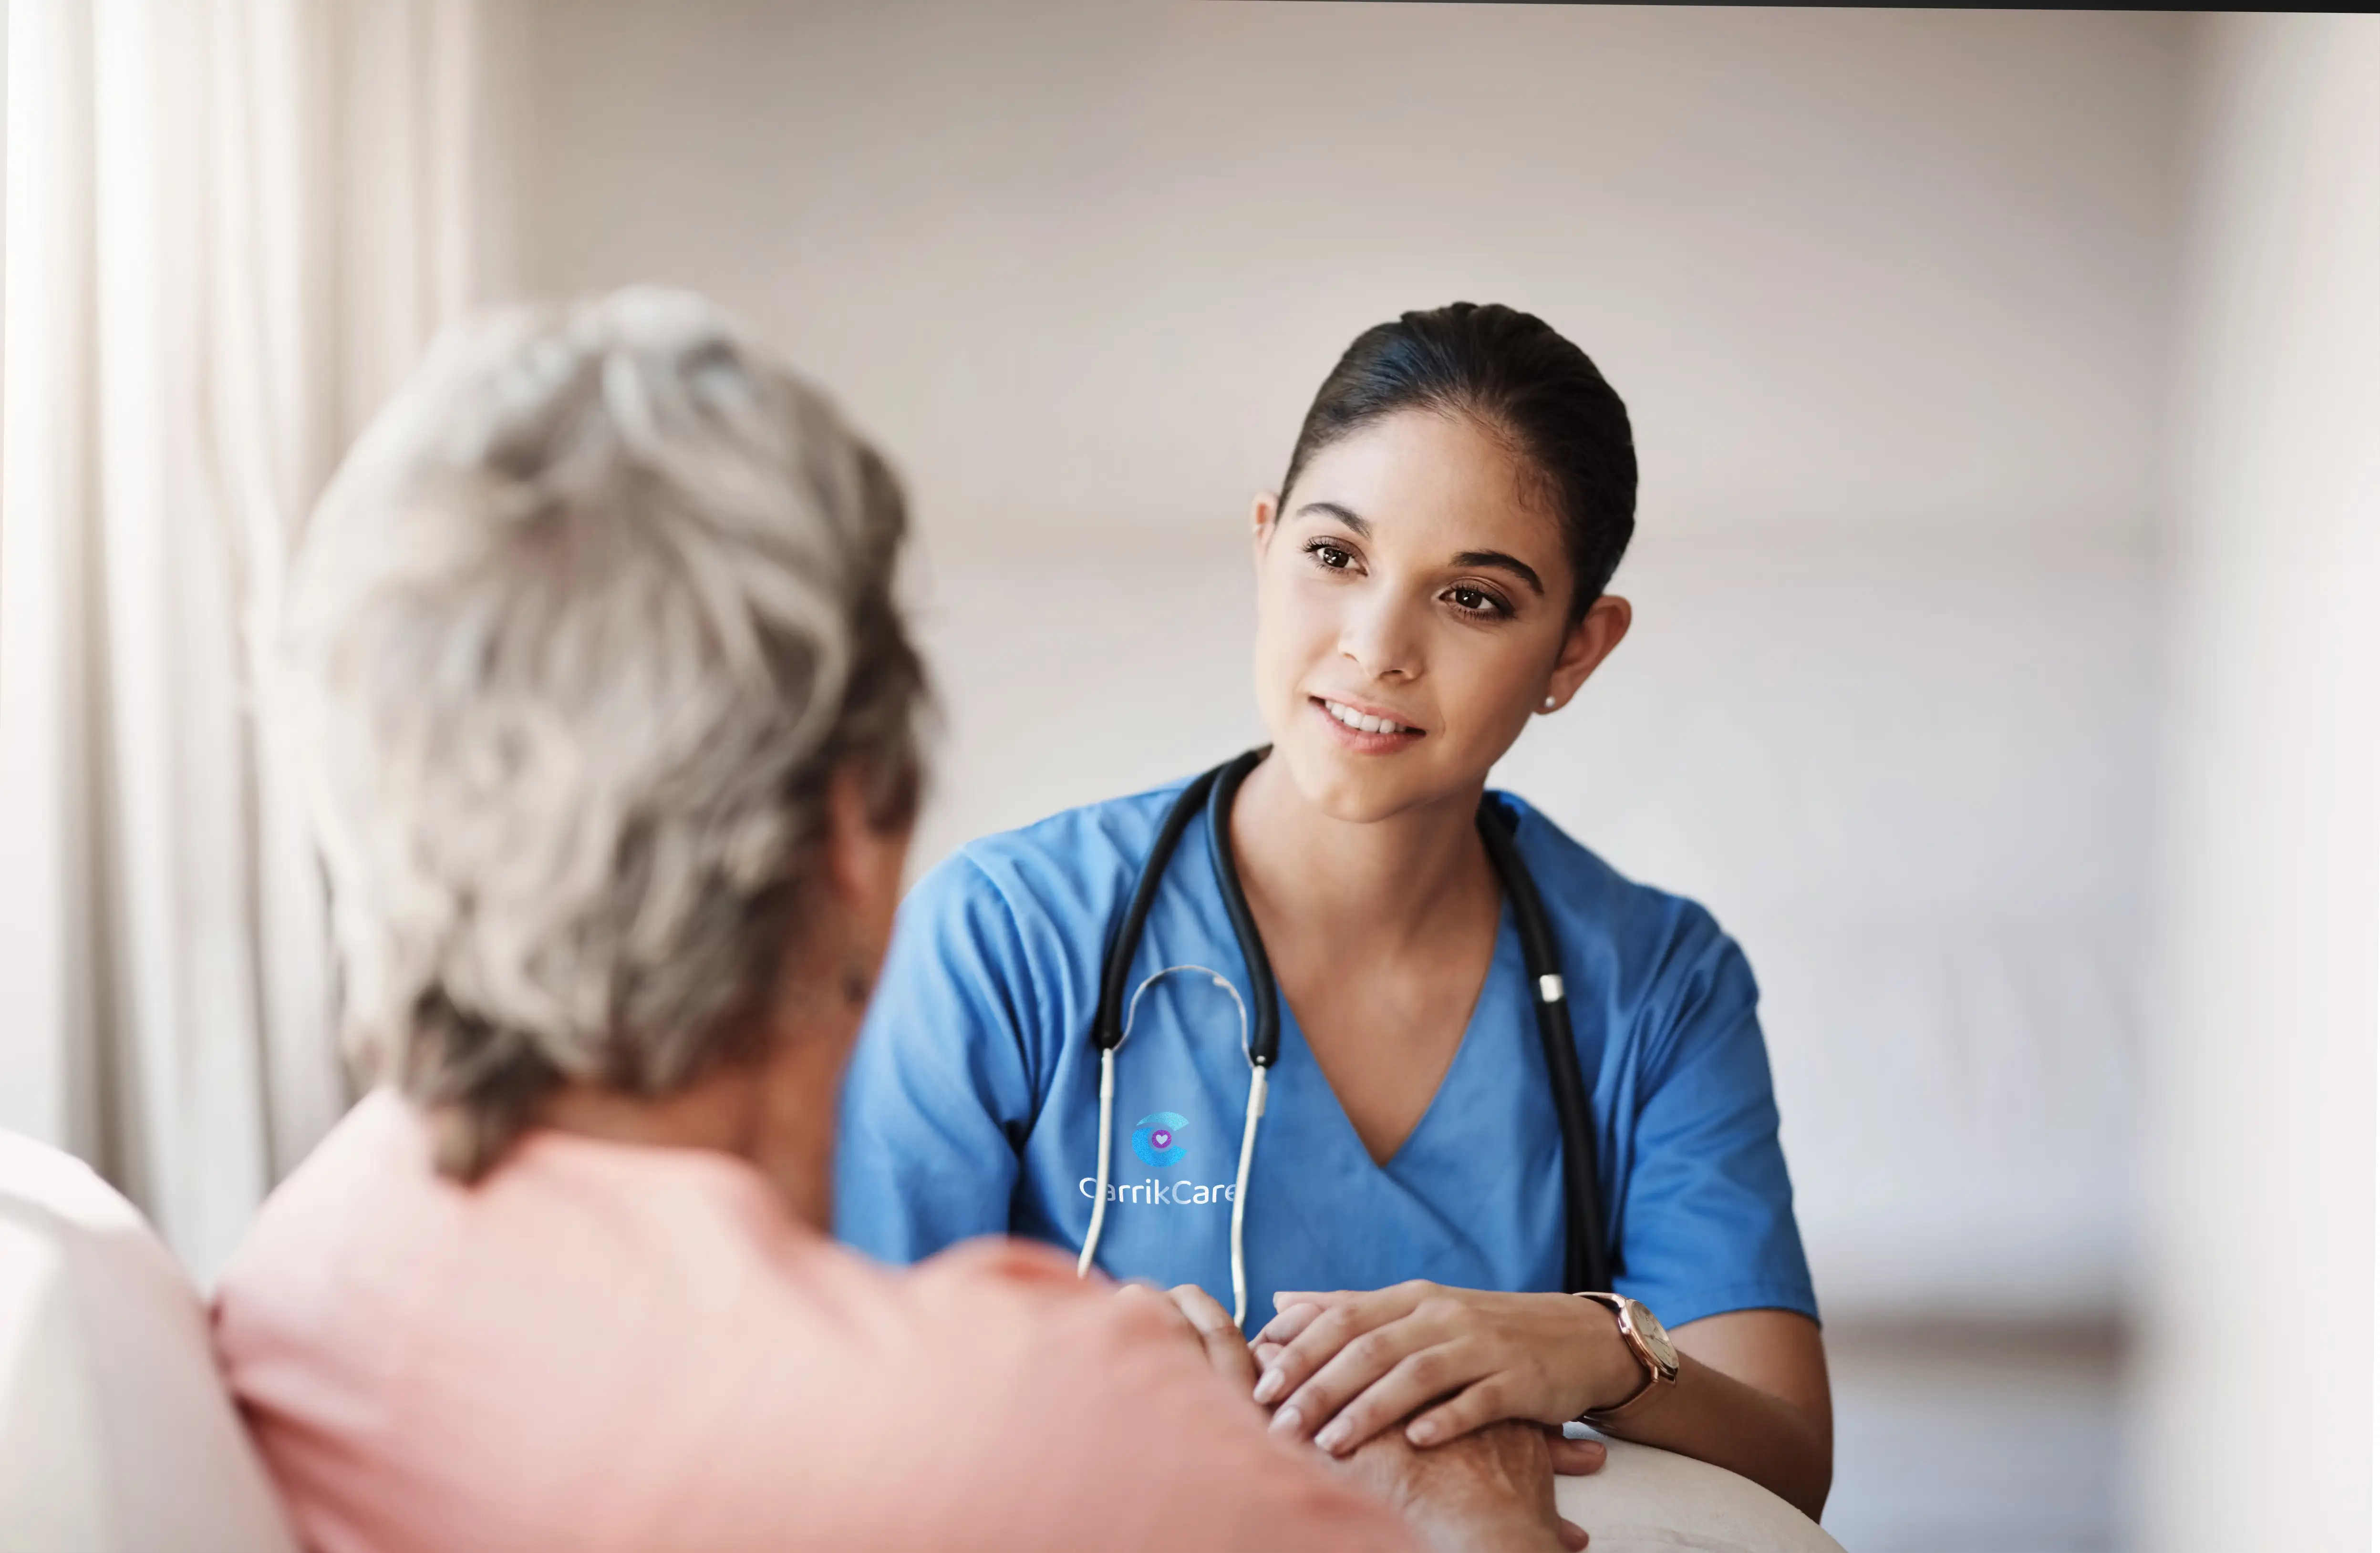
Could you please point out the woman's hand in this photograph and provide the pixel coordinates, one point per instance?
(1343, 1367)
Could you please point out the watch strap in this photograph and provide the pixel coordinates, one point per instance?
(1655, 1372)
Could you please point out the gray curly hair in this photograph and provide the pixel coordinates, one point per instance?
(577, 639)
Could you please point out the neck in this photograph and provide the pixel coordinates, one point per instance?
(1386, 883)
(776, 1111)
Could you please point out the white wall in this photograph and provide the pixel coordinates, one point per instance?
(2257, 1388)
(1887, 294)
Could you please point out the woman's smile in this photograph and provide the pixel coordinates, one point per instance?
(1364, 730)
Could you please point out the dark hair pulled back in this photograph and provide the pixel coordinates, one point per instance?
(1515, 374)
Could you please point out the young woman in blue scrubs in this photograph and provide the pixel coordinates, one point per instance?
(1430, 576)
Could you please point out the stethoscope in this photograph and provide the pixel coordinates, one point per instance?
(1586, 1259)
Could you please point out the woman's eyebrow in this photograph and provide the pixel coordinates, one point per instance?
(1332, 509)
(1503, 563)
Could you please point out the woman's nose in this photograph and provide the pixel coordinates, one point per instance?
(1381, 638)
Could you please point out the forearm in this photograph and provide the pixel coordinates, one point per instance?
(1717, 1418)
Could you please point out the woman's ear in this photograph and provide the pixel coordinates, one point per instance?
(1589, 643)
(1261, 512)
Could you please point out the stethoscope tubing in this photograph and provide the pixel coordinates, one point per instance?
(1587, 1257)
(1247, 1135)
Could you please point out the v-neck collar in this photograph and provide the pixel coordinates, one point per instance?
(1503, 965)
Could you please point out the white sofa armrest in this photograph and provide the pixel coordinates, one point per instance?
(1648, 1500)
(116, 1435)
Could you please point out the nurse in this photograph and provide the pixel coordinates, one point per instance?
(1430, 576)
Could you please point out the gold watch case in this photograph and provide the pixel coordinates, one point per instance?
(1648, 1340)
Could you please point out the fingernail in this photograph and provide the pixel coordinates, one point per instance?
(1424, 1433)
(1334, 1437)
(1287, 1422)
(1271, 1385)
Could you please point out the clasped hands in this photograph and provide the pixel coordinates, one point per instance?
(1480, 1381)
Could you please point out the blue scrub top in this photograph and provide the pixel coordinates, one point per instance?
(972, 1103)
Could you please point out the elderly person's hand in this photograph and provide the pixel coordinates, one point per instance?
(1491, 1489)
(1204, 1321)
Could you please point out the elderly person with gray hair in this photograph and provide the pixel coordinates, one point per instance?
(607, 718)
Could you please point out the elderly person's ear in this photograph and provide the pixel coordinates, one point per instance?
(862, 857)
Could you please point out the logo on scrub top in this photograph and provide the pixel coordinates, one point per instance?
(1158, 1139)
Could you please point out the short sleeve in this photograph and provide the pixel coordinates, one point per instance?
(940, 1094)
(1708, 1216)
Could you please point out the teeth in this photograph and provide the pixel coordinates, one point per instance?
(1362, 722)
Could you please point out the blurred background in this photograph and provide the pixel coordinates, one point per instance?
(2006, 387)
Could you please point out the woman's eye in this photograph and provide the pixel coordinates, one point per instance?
(1476, 600)
(1331, 555)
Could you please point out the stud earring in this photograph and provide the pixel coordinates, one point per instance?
(1549, 703)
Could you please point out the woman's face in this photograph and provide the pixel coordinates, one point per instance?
(1413, 609)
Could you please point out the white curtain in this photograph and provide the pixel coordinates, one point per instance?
(230, 227)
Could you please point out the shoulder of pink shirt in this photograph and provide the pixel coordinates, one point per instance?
(992, 1326)
(1021, 1263)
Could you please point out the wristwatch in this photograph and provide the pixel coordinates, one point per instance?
(1649, 1340)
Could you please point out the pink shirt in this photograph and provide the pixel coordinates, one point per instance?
(610, 1347)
